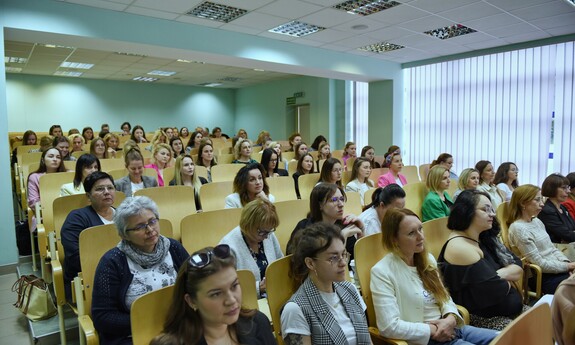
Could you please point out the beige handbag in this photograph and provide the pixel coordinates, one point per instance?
(34, 298)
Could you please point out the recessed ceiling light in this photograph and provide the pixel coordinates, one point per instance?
(56, 46)
(365, 7)
(68, 73)
(146, 79)
(217, 12)
(182, 60)
(13, 59)
(210, 84)
(13, 69)
(77, 65)
(360, 27)
(381, 47)
(162, 73)
(231, 79)
(131, 54)
(259, 70)
(450, 31)
(296, 29)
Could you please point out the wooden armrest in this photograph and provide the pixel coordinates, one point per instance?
(78, 293)
(42, 240)
(464, 313)
(538, 273)
(87, 330)
(378, 339)
(58, 280)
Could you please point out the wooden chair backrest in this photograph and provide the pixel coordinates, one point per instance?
(50, 190)
(148, 314)
(224, 157)
(368, 195)
(225, 172)
(410, 173)
(414, 196)
(337, 154)
(30, 157)
(94, 243)
(200, 171)
(319, 165)
(436, 234)
(112, 164)
(200, 230)
(423, 170)
(376, 173)
(279, 289)
(166, 228)
(249, 292)
(118, 173)
(174, 203)
(452, 187)
(501, 214)
(533, 327)
(288, 155)
(292, 167)
(345, 177)
(282, 188)
(213, 195)
(289, 214)
(349, 163)
(24, 149)
(353, 203)
(368, 251)
(78, 154)
(169, 174)
(306, 183)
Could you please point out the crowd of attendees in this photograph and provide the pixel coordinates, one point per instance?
(414, 293)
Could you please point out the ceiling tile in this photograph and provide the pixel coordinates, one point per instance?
(532, 36)
(241, 29)
(356, 41)
(325, 2)
(275, 36)
(329, 35)
(469, 12)
(436, 6)
(246, 5)
(174, 6)
(414, 40)
(486, 44)
(289, 8)
(371, 25)
(555, 21)
(260, 21)
(544, 10)
(151, 13)
(491, 22)
(398, 14)
(309, 42)
(512, 30)
(328, 18)
(561, 30)
(426, 23)
(100, 4)
(510, 5)
(199, 21)
(389, 33)
(470, 38)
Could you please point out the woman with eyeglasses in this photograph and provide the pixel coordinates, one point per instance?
(100, 190)
(558, 223)
(528, 234)
(249, 184)
(253, 242)
(326, 205)
(143, 261)
(326, 309)
(410, 301)
(331, 172)
(480, 272)
(207, 304)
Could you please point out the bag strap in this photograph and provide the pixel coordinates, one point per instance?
(23, 287)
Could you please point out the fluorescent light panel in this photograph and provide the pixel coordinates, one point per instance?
(13, 69)
(365, 7)
(145, 79)
(14, 59)
(68, 73)
(210, 84)
(77, 65)
(296, 29)
(450, 31)
(162, 73)
(381, 47)
(217, 12)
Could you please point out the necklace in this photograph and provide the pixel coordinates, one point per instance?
(466, 237)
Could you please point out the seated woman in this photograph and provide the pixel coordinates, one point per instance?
(161, 159)
(437, 202)
(569, 203)
(243, 152)
(359, 181)
(63, 144)
(349, 151)
(300, 150)
(207, 304)
(369, 153)
(562, 312)
(77, 142)
(253, 242)
(445, 160)
(160, 137)
(382, 199)
(186, 176)
(184, 133)
(277, 147)
(98, 148)
(113, 144)
(304, 166)
(320, 139)
(331, 172)
(177, 146)
(194, 142)
(528, 234)
(294, 139)
(126, 128)
(394, 162)
(138, 135)
(270, 163)
(326, 205)
(99, 187)
(558, 223)
(391, 150)
(263, 139)
(87, 134)
(326, 309)
(249, 184)
(469, 179)
(486, 176)
(506, 179)
(135, 166)
(411, 303)
(206, 158)
(143, 261)
(480, 273)
(86, 164)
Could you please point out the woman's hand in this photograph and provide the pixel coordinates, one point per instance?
(263, 285)
(354, 226)
(111, 152)
(445, 329)
(262, 195)
(511, 273)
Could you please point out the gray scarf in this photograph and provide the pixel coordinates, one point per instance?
(146, 259)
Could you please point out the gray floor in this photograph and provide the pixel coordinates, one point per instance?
(13, 324)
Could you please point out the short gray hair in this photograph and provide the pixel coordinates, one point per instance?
(131, 207)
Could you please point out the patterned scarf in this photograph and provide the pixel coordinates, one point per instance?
(146, 259)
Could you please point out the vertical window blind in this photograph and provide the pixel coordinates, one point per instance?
(496, 107)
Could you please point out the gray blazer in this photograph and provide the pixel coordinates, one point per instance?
(125, 185)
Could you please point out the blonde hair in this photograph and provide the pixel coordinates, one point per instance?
(434, 177)
(158, 136)
(521, 195)
(156, 148)
(196, 183)
(464, 178)
(238, 147)
(257, 214)
(71, 138)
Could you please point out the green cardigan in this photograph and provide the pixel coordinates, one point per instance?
(433, 207)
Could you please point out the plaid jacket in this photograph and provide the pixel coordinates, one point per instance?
(324, 328)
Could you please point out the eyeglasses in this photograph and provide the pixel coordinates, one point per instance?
(336, 199)
(143, 227)
(487, 209)
(201, 260)
(264, 233)
(104, 189)
(336, 259)
(567, 188)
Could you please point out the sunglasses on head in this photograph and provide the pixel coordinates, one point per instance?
(201, 260)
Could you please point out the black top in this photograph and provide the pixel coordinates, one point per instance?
(296, 176)
(254, 330)
(559, 226)
(478, 288)
(196, 192)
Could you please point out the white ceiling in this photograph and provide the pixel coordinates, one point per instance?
(497, 22)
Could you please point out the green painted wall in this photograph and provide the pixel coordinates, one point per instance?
(37, 102)
(381, 123)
